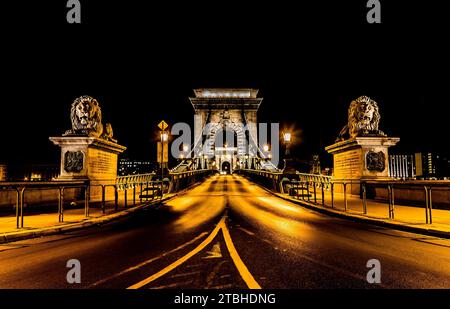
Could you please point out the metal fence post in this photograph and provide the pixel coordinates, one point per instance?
(103, 198)
(22, 201)
(323, 193)
(428, 205)
(125, 196)
(391, 201)
(61, 204)
(19, 207)
(315, 193)
(307, 189)
(116, 198)
(345, 196)
(364, 198)
(303, 190)
(332, 194)
(86, 201)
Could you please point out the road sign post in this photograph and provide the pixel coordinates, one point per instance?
(163, 150)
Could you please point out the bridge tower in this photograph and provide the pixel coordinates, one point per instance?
(225, 128)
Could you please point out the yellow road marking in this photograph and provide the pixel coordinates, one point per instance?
(180, 261)
(149, 260)
(243, 270)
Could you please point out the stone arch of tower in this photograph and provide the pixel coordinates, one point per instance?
(211, 133)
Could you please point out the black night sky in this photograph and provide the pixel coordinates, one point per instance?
(142, 62)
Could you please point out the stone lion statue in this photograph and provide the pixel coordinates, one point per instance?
(86, 117)
(363, 119)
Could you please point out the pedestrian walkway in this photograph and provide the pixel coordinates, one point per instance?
(40, 224)
(36, 221)
(377, 210)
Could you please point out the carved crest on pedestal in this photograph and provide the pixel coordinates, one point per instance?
(73, 161)
(375, 161)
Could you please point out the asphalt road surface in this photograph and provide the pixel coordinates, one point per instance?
(228, 233)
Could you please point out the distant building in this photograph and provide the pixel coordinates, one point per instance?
(3, 172)
(402, 166)
(134, 167)
(33, 172)
(422, 165)
(431, 165)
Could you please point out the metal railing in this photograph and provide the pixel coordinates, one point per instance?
(21, 188)
(183, 180)
(314, 189)
(125, 190)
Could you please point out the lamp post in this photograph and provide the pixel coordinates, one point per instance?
(164, 140)
(287, 142)
(288, 169)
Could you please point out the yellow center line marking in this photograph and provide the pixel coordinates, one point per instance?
(149, 260)
(242, 269)
(180, 261)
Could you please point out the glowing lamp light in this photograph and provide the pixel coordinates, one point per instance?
(287, 137)
(266, 148)
(185, 148)
(164, 137)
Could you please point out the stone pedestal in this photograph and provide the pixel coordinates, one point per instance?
(88, 158)
(361, 158)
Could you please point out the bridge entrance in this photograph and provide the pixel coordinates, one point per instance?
(226, 167)
(225, 130)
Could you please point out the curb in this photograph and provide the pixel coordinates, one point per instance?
(361, 218)
(52, 230)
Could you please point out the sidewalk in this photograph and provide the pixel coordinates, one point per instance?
(36, 225)
(406, 218)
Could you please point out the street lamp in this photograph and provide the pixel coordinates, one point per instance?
(266, 148)
(185, 148)
(287, 142)
(164, 136)
(288, 169)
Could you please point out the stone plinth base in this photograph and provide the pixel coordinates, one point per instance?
(88, 158)
(361, 158)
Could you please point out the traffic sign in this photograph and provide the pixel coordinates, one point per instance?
(163, 125)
